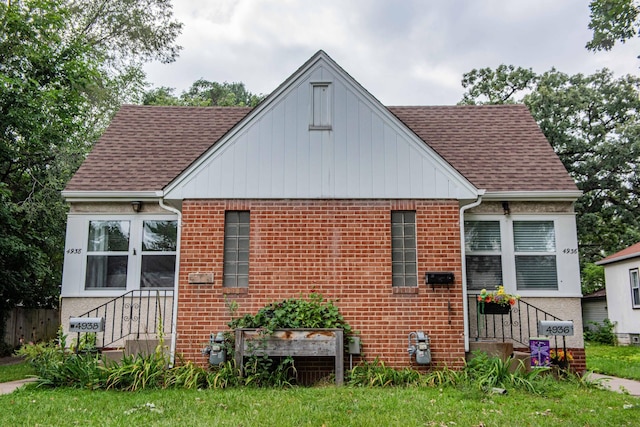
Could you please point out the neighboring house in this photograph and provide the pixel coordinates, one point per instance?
(321, 188)
(594, 308)
(623, 293)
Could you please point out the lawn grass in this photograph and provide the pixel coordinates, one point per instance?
(619, 361)
(563, 404)
(15, 371)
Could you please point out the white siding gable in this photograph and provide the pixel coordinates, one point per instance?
(359, 151)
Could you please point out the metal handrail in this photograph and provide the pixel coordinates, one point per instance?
(516, 326)
(133, 313)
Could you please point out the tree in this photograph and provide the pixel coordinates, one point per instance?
(65, 65)
(593, 123)
(613, 21)
(204, 93)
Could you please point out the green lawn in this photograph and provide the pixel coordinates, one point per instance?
(16, 371)
(564, 404)
(619, 361)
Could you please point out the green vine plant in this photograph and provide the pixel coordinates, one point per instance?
(313, 312)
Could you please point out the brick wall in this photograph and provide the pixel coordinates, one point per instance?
(339, 248)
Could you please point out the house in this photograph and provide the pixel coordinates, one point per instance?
(180, 211)
(594, 308)
(623, 293)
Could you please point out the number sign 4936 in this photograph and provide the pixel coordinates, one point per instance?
(555, 327)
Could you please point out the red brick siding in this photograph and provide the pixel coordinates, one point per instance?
(339, 248)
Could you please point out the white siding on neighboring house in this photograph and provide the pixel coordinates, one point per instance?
(619, 298)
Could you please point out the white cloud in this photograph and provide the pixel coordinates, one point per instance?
(409, 52)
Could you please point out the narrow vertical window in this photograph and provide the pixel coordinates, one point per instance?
(236, 249)
(635, 288)
(535, 253)
(107, 255)
(483, 259)
(404, 269)
(320, 106)
(159, 240)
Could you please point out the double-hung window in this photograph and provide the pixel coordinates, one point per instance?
(159, 240)
(635, 288)
(483, 248)
(107, 254)
(404, 269)
(535, 255)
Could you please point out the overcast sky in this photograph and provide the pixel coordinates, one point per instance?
(409, 52)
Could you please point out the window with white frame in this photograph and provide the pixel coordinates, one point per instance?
(483, 254)
(131, 254)
(107, 254)
(403, 248)
(236, 249)
(535, 255)
(521, 253)
(635, 288)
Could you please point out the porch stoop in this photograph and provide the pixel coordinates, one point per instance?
(503, 350)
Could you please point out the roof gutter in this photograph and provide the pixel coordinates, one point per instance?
(110, 196)
(529, 196)
(465, 302)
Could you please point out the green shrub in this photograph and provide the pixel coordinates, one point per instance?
(314, 312)
(601, 332)
(56, 366)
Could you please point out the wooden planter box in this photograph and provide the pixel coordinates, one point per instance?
(293, 342)
(493, 308)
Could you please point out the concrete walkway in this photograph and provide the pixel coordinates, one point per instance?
(619, 385)
(11, 386)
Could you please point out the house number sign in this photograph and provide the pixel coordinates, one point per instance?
(555, 327)
(86, 324)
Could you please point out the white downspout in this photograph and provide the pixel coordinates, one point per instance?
(174, 317)
(465, 302)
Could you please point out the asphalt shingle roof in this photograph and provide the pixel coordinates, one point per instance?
(497, 148)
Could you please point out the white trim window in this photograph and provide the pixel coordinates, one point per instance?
(533, 255)
(131, 254)
(109, 254)
(483, 254)
(634, 280)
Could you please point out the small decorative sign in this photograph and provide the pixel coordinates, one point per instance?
(540, 352)
(555, 327)
(86, 324)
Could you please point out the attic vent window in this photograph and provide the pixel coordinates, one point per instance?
(320, 106)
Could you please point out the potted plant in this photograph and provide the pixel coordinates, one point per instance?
(496, 302)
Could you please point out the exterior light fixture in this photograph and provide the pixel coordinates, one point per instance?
(136, 206)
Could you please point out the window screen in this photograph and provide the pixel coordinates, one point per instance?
(483, 248)
(535, 254)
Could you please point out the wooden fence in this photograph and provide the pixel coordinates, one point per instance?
(25, 325)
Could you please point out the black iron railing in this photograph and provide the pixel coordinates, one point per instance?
(134, 314)
(518, 325)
